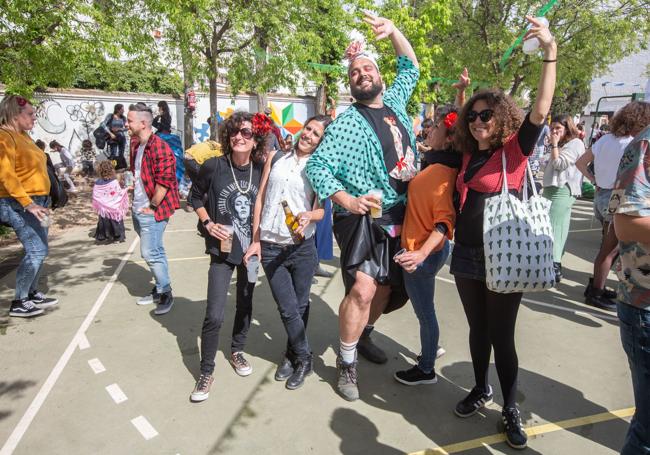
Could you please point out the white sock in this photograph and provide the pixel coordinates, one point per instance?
(348, 352)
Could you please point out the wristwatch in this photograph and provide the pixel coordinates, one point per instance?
(206, 222)
(153, 207)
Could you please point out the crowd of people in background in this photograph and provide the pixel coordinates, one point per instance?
(398, 202)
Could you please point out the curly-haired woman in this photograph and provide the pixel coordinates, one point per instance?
(489, 126)
(605, 155)
(562, 182)
(230, 184)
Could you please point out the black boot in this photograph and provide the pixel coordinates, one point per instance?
(557, 267)
(303, 368)
(285, 369)
(369, 350)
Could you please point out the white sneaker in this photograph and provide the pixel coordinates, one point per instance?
(152, 297)
(440, 352)
(201, 390)
(240, 364)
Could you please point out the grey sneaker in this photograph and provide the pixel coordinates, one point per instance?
(347, 382)
(152, 297)
(165, 304)
(201, 390)
(240, 364)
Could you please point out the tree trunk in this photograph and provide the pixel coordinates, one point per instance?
(262, 101)
(188, 117)
(321, 100)
(212, 81)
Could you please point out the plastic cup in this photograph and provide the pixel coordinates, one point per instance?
(378, 196)
(252, 268)
(531, 45)
(226, 245)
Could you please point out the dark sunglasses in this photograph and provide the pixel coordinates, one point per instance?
(484, 115)
(246, 133)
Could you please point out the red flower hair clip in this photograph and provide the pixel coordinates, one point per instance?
(22, 102)
(450, 120)
(262, 124)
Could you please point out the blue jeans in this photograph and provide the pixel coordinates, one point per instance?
(152, 249)
(290, 269)
(635, 336)
(33, 236)
(420, 286)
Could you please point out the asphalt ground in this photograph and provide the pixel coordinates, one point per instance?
(100, 375)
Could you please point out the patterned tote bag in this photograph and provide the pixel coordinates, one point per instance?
(518, 240)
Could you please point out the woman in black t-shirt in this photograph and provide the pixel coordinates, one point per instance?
(489, 123)
(229, 185)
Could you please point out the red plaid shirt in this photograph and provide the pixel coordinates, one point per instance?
(158, 167)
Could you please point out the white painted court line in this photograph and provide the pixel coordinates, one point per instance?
(555, 307)
(116, 393)
(586, 230)
(36, 404)
(83, 342)
(144, 427)
(96, 366)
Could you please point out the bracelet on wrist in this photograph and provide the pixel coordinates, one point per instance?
(206, 222)
(549, 60)
(153, 206)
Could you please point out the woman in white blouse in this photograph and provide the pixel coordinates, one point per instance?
(289, 264)
(562, 181)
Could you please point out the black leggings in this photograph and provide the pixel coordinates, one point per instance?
(491, 317)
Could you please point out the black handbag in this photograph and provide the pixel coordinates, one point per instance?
(58, 195)
(101, 136)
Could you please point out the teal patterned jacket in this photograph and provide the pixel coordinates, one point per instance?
(350, 157)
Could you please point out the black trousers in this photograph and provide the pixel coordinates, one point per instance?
(492, 317)
(219, 276)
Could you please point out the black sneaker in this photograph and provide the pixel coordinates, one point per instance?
(607, 292)
(41, 301)
(165, 304)
(24, 309)
(600, 301)
(476, 400)
(415, 376)
(557, 268)
(515, 435)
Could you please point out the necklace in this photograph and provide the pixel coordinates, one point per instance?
(234, 179)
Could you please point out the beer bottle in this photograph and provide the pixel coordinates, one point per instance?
(292, 223)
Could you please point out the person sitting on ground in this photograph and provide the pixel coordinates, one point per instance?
(88, 155)
(66, 165)
(110, 202)
(24, 200)
(605, 156)
(370, 146)
(630, 205)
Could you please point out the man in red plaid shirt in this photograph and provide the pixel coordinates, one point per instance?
(155, 197)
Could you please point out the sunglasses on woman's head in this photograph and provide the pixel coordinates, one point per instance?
(246, 133)
(484, 115)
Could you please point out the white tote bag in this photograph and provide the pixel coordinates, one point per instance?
(518, 240)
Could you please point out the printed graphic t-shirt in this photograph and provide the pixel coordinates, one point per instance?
(226, 204)
(394, 140)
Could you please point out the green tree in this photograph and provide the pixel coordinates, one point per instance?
(417, 21)
(45, 42)
(591, 35)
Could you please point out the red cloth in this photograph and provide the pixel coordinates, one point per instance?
(158, 167)
(489, 178)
